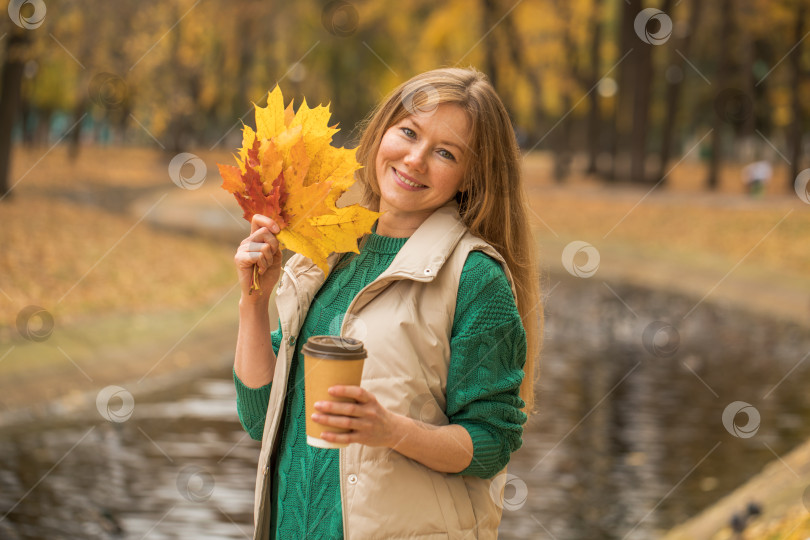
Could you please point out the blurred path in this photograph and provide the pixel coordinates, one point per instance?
(209, 211)
(747, 289)
(663, 240)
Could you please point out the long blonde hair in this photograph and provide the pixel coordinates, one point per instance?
(493, 203)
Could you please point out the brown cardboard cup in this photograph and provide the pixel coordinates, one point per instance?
(329, 361)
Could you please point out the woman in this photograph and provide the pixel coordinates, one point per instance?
(445, 296)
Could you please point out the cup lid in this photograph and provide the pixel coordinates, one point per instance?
(334, 348)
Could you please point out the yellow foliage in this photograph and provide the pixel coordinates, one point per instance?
(302, 177)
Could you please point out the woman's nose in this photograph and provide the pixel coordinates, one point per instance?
(415, 158)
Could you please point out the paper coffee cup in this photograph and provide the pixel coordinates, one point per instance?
(329, 361)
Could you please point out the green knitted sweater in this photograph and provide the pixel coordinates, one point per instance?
(483, 398)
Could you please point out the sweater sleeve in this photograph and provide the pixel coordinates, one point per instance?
(251, 403)
(487, 355)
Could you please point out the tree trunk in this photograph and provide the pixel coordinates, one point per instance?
(10, 82)
(42, 133)
(562, 144)
(76, 134)
(723, 68)
(641, 105)
(796, 104)
(674, 90)
(561, 140)
(521, 65)
(641, 108)
(593, 98)
(490, 45)
(27, 121)
(613, 146)
(749, 58)
(629, 45)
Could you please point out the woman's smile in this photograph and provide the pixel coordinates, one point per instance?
(407, 182)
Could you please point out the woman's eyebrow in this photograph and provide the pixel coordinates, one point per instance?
(446, 143)
(454, 145)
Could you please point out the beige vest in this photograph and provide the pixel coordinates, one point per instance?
(405, 318)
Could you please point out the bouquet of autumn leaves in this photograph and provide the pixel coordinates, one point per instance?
(288, 170)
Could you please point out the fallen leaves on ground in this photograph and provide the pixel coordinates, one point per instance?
(61, 251)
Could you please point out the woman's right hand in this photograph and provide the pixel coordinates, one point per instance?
(260, 249)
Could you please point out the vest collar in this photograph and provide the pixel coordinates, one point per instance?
(427, 249)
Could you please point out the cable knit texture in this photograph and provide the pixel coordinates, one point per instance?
(488, 350)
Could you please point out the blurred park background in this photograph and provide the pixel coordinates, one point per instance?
(667, 162)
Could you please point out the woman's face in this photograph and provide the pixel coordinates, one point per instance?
(421, 161)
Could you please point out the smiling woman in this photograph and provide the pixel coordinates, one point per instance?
(444, 294)
(420, 166)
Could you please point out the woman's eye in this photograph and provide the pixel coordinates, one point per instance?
(447, 155)
(408, 132)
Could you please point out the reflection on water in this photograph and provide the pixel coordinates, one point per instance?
(626, 443)
(180, 467)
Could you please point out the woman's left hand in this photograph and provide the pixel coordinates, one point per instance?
(371, 423)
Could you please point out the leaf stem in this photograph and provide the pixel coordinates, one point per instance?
(255, 285)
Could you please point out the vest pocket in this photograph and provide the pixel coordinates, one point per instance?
(454, 501)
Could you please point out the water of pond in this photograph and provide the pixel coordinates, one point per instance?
(628, 441)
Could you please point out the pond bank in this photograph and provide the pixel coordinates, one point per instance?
(781, 491)
(141, 353)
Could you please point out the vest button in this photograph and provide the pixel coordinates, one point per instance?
(428, 271)
(352, 479)
(291, 341)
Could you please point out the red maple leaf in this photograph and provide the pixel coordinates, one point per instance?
(248, 189)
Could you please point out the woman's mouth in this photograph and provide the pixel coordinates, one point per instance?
(407, 184)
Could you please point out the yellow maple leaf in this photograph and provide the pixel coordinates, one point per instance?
(303, 202)
(248, 138)
(338, 229)
(302, 176)
(270, 119)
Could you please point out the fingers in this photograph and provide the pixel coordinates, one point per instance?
(260, 221)
(361, 406)
(260, 248)
(358, 393)
(345, 422)
(338, 408)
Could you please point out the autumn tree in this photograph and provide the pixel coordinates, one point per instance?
(723, 77)
(627, 47)
(594, 67)
(798, 81)
(17, 44)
